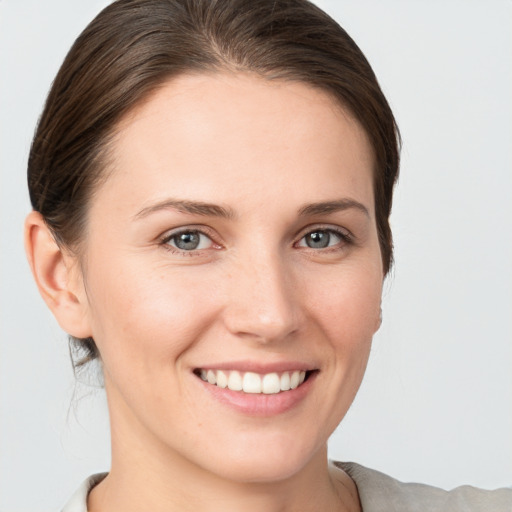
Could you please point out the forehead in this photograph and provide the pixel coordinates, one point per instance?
(210, 137)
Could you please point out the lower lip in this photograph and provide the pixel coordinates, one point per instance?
(260, 404)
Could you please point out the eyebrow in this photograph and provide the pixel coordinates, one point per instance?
(215, 210)
(327, 207)
(192, 207)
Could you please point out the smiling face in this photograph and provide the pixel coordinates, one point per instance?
(232, 246)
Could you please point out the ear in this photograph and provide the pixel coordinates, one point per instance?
(58, 277)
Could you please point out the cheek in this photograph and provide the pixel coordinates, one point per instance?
(140, 317)
(348, 313)
(346, 309)
(348, 305)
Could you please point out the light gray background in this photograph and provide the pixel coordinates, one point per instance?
(436, 405)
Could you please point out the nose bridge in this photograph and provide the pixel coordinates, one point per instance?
(262, 302)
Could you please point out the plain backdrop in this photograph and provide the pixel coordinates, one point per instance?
(436, 405)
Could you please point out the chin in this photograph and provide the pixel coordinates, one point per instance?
(260, 471)
(261, 461)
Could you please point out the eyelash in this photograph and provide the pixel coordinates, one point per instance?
(168, 237)
(345, 237)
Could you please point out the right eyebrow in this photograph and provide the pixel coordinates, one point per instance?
(191, 207)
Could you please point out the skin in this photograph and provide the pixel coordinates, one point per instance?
(253, 291)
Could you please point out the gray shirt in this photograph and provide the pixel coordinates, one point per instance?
(380, 493)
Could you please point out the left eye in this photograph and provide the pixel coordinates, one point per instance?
(189, 241)
(320, 239)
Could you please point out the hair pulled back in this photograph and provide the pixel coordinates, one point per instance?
(134, 46)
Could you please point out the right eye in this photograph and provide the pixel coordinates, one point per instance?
(188, 240)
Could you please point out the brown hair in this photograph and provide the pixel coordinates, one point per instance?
(133, 46)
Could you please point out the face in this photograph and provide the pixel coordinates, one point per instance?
(232, 274)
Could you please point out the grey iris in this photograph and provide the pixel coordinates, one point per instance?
(318, 239)
(187, 241)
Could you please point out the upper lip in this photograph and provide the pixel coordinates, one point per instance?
(259, 367)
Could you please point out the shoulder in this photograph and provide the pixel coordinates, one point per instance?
(379, 492)
(78, 502)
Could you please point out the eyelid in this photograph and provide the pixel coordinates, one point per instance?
(339, 230)
(166, 236)
(163, 239)
(345, 239)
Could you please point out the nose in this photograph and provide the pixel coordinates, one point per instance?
(262, 304)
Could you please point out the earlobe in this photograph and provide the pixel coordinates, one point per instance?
(57, 277)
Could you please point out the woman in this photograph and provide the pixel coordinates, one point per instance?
(211, 184)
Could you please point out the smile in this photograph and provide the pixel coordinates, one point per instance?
(250, 382)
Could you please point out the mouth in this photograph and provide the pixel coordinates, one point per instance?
(254, 383)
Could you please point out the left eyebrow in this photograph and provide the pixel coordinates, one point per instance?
(327, 207)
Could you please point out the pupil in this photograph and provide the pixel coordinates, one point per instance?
(318, 239)
(187, 241)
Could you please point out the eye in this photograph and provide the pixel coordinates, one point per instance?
(189, 240)
(322, 239)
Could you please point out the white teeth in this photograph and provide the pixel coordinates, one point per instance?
(250, 382)
(235, 381)
(271, 384)
(294, 379)
(222, 379)
(285, 381)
